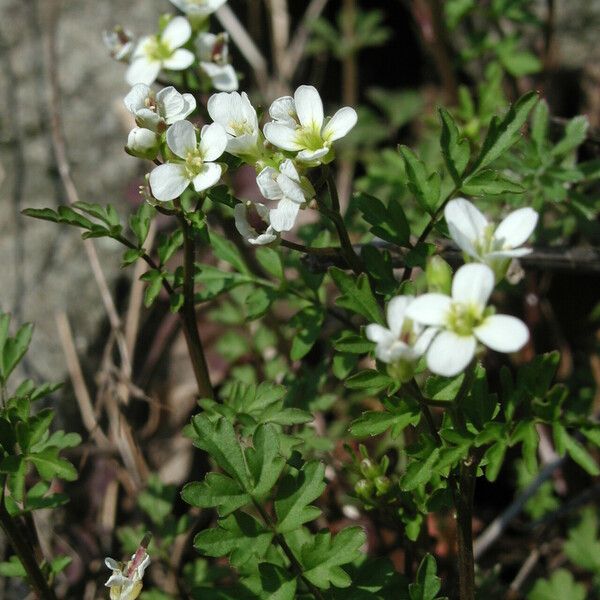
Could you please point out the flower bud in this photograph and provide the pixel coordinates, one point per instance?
(368, 469)
(142, 143)
(364, 489)
(382, 485)
(439, 275)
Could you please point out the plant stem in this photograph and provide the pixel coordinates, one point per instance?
(463, 501)
(188, 314)
(37, 580)
(309, 250)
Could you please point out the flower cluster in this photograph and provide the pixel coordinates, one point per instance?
(448, 328)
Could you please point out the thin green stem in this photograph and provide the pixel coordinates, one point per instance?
(308, 250)
(25, 552)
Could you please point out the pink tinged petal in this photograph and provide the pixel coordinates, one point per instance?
(267, 184)
(449, 353)
(181, 138)
(466, 224)
(177, 32)
(312, 155)
(291, 189)
(136, 98)
(309, 106)
(283, 109)
(178, 61)
(502, 333)
(396, 310)
(282, 136)
(516, 228)
(424, 340)
(208, 176)
(213, 142)
(142, 70)
(473, 284)
(429, 309)
(283, 218)
(340, 124)
(168, 181)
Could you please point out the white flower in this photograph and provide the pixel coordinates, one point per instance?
(237, 115)
(119, 42)
(143, 143)
(198, 8)
(286, 186)
(125, 583)
(403, 339)
(213, 53)
(157, 110)
(299, 125)
(168, 181)
(247, 231)
(494, 246)
(156, 52)
(463, 320)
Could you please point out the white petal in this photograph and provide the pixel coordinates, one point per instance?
(514, 253)
(429, 309)
(312, 155)
(502, 333)
(264, 238)
(282, 136)
(424, 340)
(291, 189)
(379, 334)
(168, 181)
(142, 70)
(396, 310)
(516, 228)
(178, 61)
(213, 142)
(283, 109)
(340, 124)
(205, 42)
(449, 353)
(243, 144)
(240, 214)
(170, 101)
(309, 106)
(473, 283)
(142, 140)
(189, 106)
(136, 98)
(283, 218)
(267, 184)
(181, 138)
(466, 224)
(208, 176)
(111, 563)
(147, 118)
(288, 169)
(223, 77)
(177, 32)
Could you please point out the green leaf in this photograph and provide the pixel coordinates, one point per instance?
(455, 149)
(238, 536)
(356, 295)
(50, 465)
(424, 186)
(494, 457)
(322, 559)
(372, 423)
(488, 182)
(442, 388)
(220, 194)
(582, 546)
(560, 586)
(139, 222)
(14, 349)
(271, 262)
(216, 491)
(580, 455)
(168, 245)
(226, 250)
(388, 223)
(352, 343)
(265, 460)
(575, 134)
(368, 379)
(308, 324)
(294, 495)
(12, 568)
(419, 472)
(257, 302)
(276, 582)
(220, 440)
(502, 134)
(427, 583)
